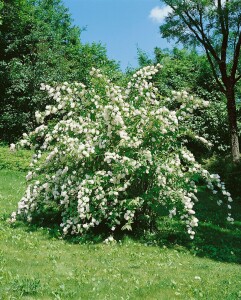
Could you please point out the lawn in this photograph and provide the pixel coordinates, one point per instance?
(35, 264)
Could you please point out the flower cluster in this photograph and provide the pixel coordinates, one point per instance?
(106, 154)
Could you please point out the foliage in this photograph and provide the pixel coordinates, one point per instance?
(15, 161)
(39, 44)
(113, 155)
(37, 263)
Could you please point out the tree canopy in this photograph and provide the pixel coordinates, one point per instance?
(38, 43)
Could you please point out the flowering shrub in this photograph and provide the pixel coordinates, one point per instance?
(106, 154)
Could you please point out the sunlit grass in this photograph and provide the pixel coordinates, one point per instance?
(34, 265)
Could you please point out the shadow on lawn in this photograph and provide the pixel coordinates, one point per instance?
(211, 241)
(215, 238)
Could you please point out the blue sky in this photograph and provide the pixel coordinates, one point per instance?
(120, 25)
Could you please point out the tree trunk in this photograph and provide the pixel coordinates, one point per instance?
(232, 119)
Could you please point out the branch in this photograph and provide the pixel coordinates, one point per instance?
(238, 31)
(237, 79)
(236, 57)
(225, 33)
(208, 49)
(222, 89)
(221, 18)
(208, 55)
(203, 39)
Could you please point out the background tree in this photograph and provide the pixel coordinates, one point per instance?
(38, 43)
(215, 26)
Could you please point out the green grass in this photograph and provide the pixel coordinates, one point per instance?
(36, 265)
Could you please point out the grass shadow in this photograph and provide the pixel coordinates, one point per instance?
(215, 237)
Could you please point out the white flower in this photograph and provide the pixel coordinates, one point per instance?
(12, 147)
